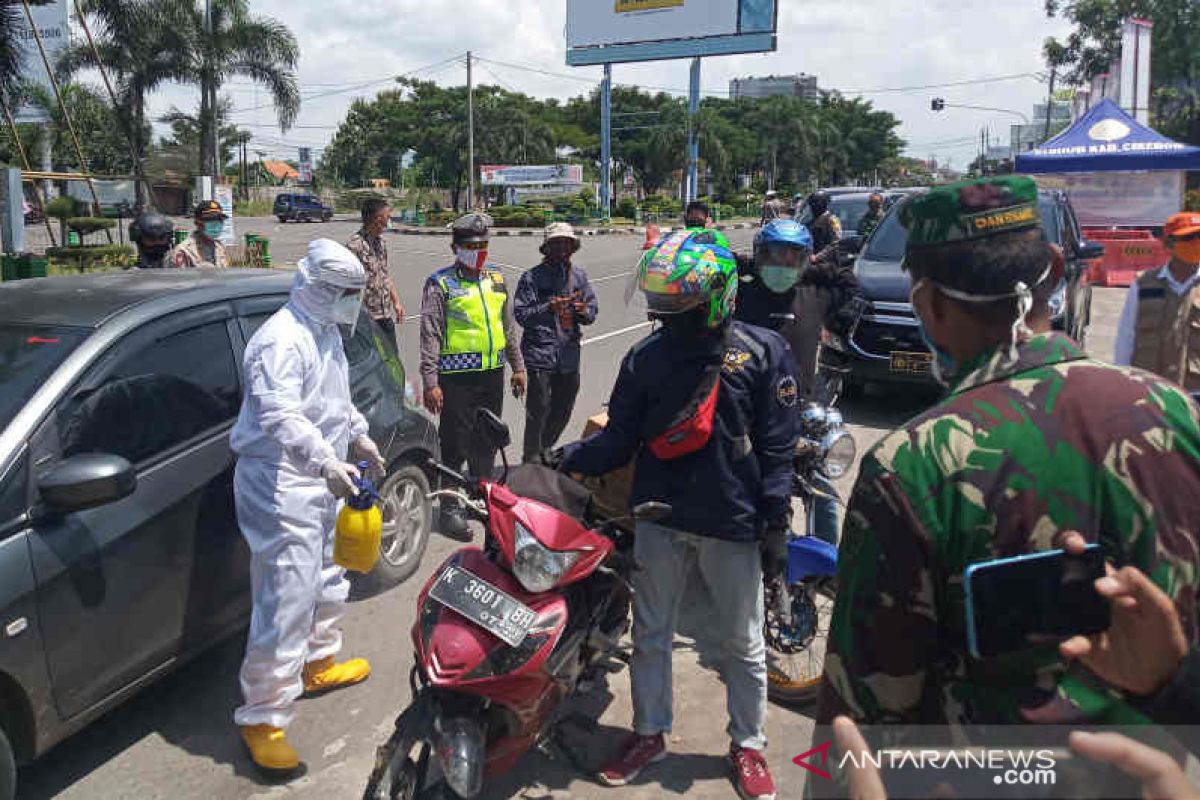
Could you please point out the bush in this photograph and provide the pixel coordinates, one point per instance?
(92, 257)
(61, 208)
(626, 207)
(86, 226)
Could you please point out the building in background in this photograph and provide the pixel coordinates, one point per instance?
(1026, 137)
(801, 85)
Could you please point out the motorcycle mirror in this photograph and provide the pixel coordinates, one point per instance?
(493, 429)
(652, 511)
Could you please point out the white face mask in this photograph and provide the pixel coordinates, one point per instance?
(345, 310)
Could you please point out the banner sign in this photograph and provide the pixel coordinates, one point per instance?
(502, 175)
(305, 169)
(223, 194)
(52, 18)
(1134, 199)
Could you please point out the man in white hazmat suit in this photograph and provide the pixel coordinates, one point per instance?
(293, 437)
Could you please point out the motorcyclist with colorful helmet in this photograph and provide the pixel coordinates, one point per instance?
(782, 290)
(707, 405)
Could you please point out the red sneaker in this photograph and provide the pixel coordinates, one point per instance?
(637, 753)
(751, 774)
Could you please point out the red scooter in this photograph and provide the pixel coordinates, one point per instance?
(505, 633)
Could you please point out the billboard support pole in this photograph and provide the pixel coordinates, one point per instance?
(693, 134)
(470, 138)
(606, 143)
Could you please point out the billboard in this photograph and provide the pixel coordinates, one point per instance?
(305, 169)
(52, 20)
(612, 31)
(534, 175)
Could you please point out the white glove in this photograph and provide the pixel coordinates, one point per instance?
(339, 477)
(365, 449)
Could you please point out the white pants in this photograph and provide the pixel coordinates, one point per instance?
(732, 575)
(287, 520)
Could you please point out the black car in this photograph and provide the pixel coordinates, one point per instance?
(301, 208)
(120, 555)
(887, 346)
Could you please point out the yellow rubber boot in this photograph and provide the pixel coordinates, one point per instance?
(325, 676)
(269, 748)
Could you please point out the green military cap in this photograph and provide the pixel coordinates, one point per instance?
(471, 228)
(969, 210)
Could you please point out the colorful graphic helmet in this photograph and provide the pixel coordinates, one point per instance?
(689, 269)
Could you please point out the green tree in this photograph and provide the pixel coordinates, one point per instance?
(140, 44)
(11, 50)
(231, 42)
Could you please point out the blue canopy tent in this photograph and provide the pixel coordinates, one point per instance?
(1106, 139)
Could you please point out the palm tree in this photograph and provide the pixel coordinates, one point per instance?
(11, 51)
(228, 41)
(141, 46)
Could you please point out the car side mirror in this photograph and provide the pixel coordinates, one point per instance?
(652, 511)
(1089, 251)
(493, 429)
(86, 481)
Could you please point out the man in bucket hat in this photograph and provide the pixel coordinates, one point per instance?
(554, 300)
(1034, 439)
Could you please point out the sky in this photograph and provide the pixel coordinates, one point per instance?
(351, 48)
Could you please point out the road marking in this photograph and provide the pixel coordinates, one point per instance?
(620, 332)
(612, 277)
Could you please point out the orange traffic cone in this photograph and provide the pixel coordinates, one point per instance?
(653, 234)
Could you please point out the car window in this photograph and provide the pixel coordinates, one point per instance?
(28, 355)
(154, 397)
(252, 322)
(14, 491)
(1048, 210)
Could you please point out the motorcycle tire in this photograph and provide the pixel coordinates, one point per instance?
(397, 775)
(784, 692)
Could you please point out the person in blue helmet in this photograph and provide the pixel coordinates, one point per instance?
(782, 290)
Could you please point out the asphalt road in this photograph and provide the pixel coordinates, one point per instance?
(176, 739)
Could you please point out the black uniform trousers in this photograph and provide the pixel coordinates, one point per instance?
(462, 394)
(548, 408)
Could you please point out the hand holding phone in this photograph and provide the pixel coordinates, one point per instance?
(1016, 603)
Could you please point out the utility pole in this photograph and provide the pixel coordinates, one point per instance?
(470, 137)
(693, 178)
(208, 89)
(606, 143)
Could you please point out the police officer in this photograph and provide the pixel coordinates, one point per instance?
(151, 233)
(1034, 439)
(782, 291)
(825, 227)
(707, 405)
(468, 334)
(203, 248)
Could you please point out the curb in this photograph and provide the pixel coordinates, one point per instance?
(520, 232)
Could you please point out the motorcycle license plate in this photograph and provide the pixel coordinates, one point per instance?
(488, 607)
(911, 363)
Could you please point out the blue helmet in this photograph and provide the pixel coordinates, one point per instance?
(782, 251)
(786, 232)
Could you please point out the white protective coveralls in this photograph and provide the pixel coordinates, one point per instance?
(296, 416)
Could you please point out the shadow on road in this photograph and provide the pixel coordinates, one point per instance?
(192, 709)
(888, 407)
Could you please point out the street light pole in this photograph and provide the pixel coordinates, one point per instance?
(470, 137)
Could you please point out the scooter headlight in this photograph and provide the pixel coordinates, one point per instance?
(840, 451)
(537, 567)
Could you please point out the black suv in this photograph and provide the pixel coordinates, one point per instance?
(887, 346)
(120, 554)
(301, 208)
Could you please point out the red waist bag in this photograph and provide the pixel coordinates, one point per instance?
(691, 428)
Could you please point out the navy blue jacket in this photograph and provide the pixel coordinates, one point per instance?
(742, 479)
(546, 345)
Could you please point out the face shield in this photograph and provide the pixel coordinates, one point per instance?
(329, 283)
(780, 265)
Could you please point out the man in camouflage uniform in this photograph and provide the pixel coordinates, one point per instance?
(1035, 439)
(870, 220)
(380, 299)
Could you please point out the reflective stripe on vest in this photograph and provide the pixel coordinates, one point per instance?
(1167, 335)
(475, 340)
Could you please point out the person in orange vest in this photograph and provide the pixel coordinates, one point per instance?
(1159, 329)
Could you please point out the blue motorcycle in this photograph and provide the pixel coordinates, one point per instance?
(799, 606)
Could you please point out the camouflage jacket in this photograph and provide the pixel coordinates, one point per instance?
(1017, 454)
(191, 252)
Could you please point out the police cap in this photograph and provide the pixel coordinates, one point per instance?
(471, 228)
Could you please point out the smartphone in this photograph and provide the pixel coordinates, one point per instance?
(1016, 603)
